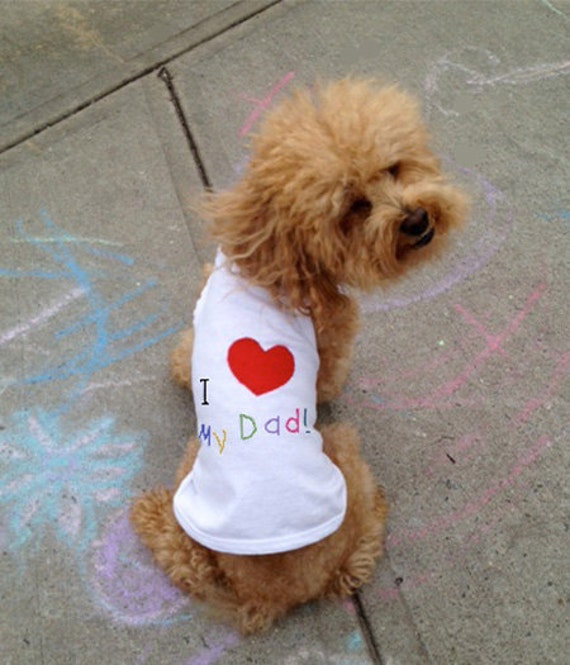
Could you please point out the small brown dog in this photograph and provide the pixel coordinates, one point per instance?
(341, 192)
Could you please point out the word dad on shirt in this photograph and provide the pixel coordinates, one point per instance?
(249, 427)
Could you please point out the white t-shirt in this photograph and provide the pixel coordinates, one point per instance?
(261, 483)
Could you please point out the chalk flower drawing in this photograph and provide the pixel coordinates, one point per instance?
(60, 480)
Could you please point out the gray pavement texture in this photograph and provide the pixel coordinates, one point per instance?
(114, 114)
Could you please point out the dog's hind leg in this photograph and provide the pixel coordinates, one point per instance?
(362, 529)
(358, 568)
(189, 565)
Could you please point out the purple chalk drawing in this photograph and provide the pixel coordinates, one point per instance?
(127, 584)
(473, 248)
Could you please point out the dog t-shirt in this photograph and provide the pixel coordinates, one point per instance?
(261, 482)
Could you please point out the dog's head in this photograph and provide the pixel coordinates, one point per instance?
(341, 189)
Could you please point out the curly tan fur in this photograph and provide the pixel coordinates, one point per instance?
(334, 176)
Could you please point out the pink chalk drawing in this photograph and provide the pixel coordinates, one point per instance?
(126, 584)
(263, 104)
(443, 393)
(493, 344)
(560, 373)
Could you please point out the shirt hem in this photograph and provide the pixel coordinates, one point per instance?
(265, 546)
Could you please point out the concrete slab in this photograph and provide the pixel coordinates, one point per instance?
(60, 55)
(461, 400)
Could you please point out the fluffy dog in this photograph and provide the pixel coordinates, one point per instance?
(341, 192)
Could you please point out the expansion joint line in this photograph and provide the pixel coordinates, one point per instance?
(366, 628)
(166, 77)
(257, 9)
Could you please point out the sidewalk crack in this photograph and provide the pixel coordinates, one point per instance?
(366, 628)
(166, 77)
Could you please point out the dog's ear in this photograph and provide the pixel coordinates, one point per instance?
(271, 249)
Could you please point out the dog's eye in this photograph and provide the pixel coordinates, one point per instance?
(361, 207)
(356, 215)
(394, 170)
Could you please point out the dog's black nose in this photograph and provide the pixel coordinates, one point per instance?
(415, 223)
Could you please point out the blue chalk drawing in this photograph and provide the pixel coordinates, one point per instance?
(101, 342)
(561, 215)
(61, 481)
(354, 642)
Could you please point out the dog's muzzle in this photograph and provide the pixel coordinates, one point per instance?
(416, 225)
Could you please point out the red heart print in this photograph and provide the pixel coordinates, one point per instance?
(258, 370)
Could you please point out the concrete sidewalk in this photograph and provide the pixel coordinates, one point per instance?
(113, 117)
